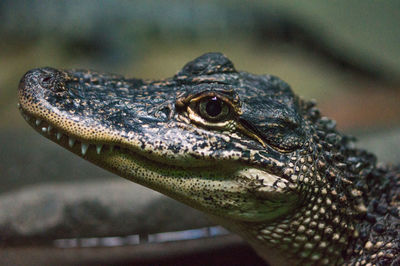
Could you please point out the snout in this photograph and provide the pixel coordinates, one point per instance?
(35, 85)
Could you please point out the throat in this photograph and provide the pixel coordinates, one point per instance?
(304, 237)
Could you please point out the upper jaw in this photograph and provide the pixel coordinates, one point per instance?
(69, 103)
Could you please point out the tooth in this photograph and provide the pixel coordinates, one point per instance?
(44, 129)
(98, 148)
(49, 128)
(38, 121)
(71, 142)
(59, 135)
(84, 148)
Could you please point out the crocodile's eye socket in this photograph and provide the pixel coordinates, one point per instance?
(213, 109)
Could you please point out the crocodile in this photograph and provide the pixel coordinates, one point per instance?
(242, 148)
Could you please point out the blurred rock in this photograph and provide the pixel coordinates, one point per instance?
(91, 208)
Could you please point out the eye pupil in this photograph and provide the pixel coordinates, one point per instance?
(214, 107)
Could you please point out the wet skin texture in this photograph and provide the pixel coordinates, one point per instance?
(240, 147)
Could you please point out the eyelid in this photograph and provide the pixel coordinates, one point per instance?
(209, 95)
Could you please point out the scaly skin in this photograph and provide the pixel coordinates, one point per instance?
(240, 147)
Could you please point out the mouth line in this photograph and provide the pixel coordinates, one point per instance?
(75, 145)
(92, 151)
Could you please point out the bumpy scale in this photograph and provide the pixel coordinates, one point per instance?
(240, 147)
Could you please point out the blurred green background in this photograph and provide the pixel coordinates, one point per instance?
(345, 54)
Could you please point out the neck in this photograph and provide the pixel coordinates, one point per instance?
(324, 229)
(316, 235)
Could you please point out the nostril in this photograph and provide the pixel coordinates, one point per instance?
(45, 80)
(50, 78)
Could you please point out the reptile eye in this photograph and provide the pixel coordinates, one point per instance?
(213, 109)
